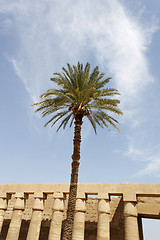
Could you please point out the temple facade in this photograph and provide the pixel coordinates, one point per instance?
(103, 211)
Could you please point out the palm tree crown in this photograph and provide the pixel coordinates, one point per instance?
(80, 94)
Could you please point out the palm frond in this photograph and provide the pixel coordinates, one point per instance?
(64, 122)
(58, 116)
(110, 92)
(101, 118)
(102, 83)
(80, 91)
(108, 107)
(71, 121)
(93, 123)
(51, 109)
(93, 75)
(112, 123)
(87, 68)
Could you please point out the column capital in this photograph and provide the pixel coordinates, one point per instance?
(58, 205)
(103, 206)
(19, 203)
(3, 201)
(38, 201)
(19, 195)
(80, 205)
(3, 195)
(130, 209)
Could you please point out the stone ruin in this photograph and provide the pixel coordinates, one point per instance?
(103, 211)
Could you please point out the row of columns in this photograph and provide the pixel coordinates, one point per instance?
(103, 229)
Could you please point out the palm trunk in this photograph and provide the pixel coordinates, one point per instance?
(68, 228)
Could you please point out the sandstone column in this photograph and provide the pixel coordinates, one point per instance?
(57, 217)
(131, 221)
(103, 229)
(79, 217)
(3, 207)
(14, 227)
(35, 224)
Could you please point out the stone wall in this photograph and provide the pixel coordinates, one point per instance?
(103, 211)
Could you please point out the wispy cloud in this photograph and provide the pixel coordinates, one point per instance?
(51, 33)
(134, 152)
(153, 167)
(149, 156)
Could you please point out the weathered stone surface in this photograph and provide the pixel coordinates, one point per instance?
(38, 211)
(79, 219)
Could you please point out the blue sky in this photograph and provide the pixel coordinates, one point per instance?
(38, 38)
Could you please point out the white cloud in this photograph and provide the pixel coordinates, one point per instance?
(134, 152)
(150, 156)
(51, 33)
(5, 26)
(153, 167)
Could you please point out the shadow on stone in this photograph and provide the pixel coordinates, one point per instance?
(5, 228)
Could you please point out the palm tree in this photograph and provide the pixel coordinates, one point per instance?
(79, 94)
